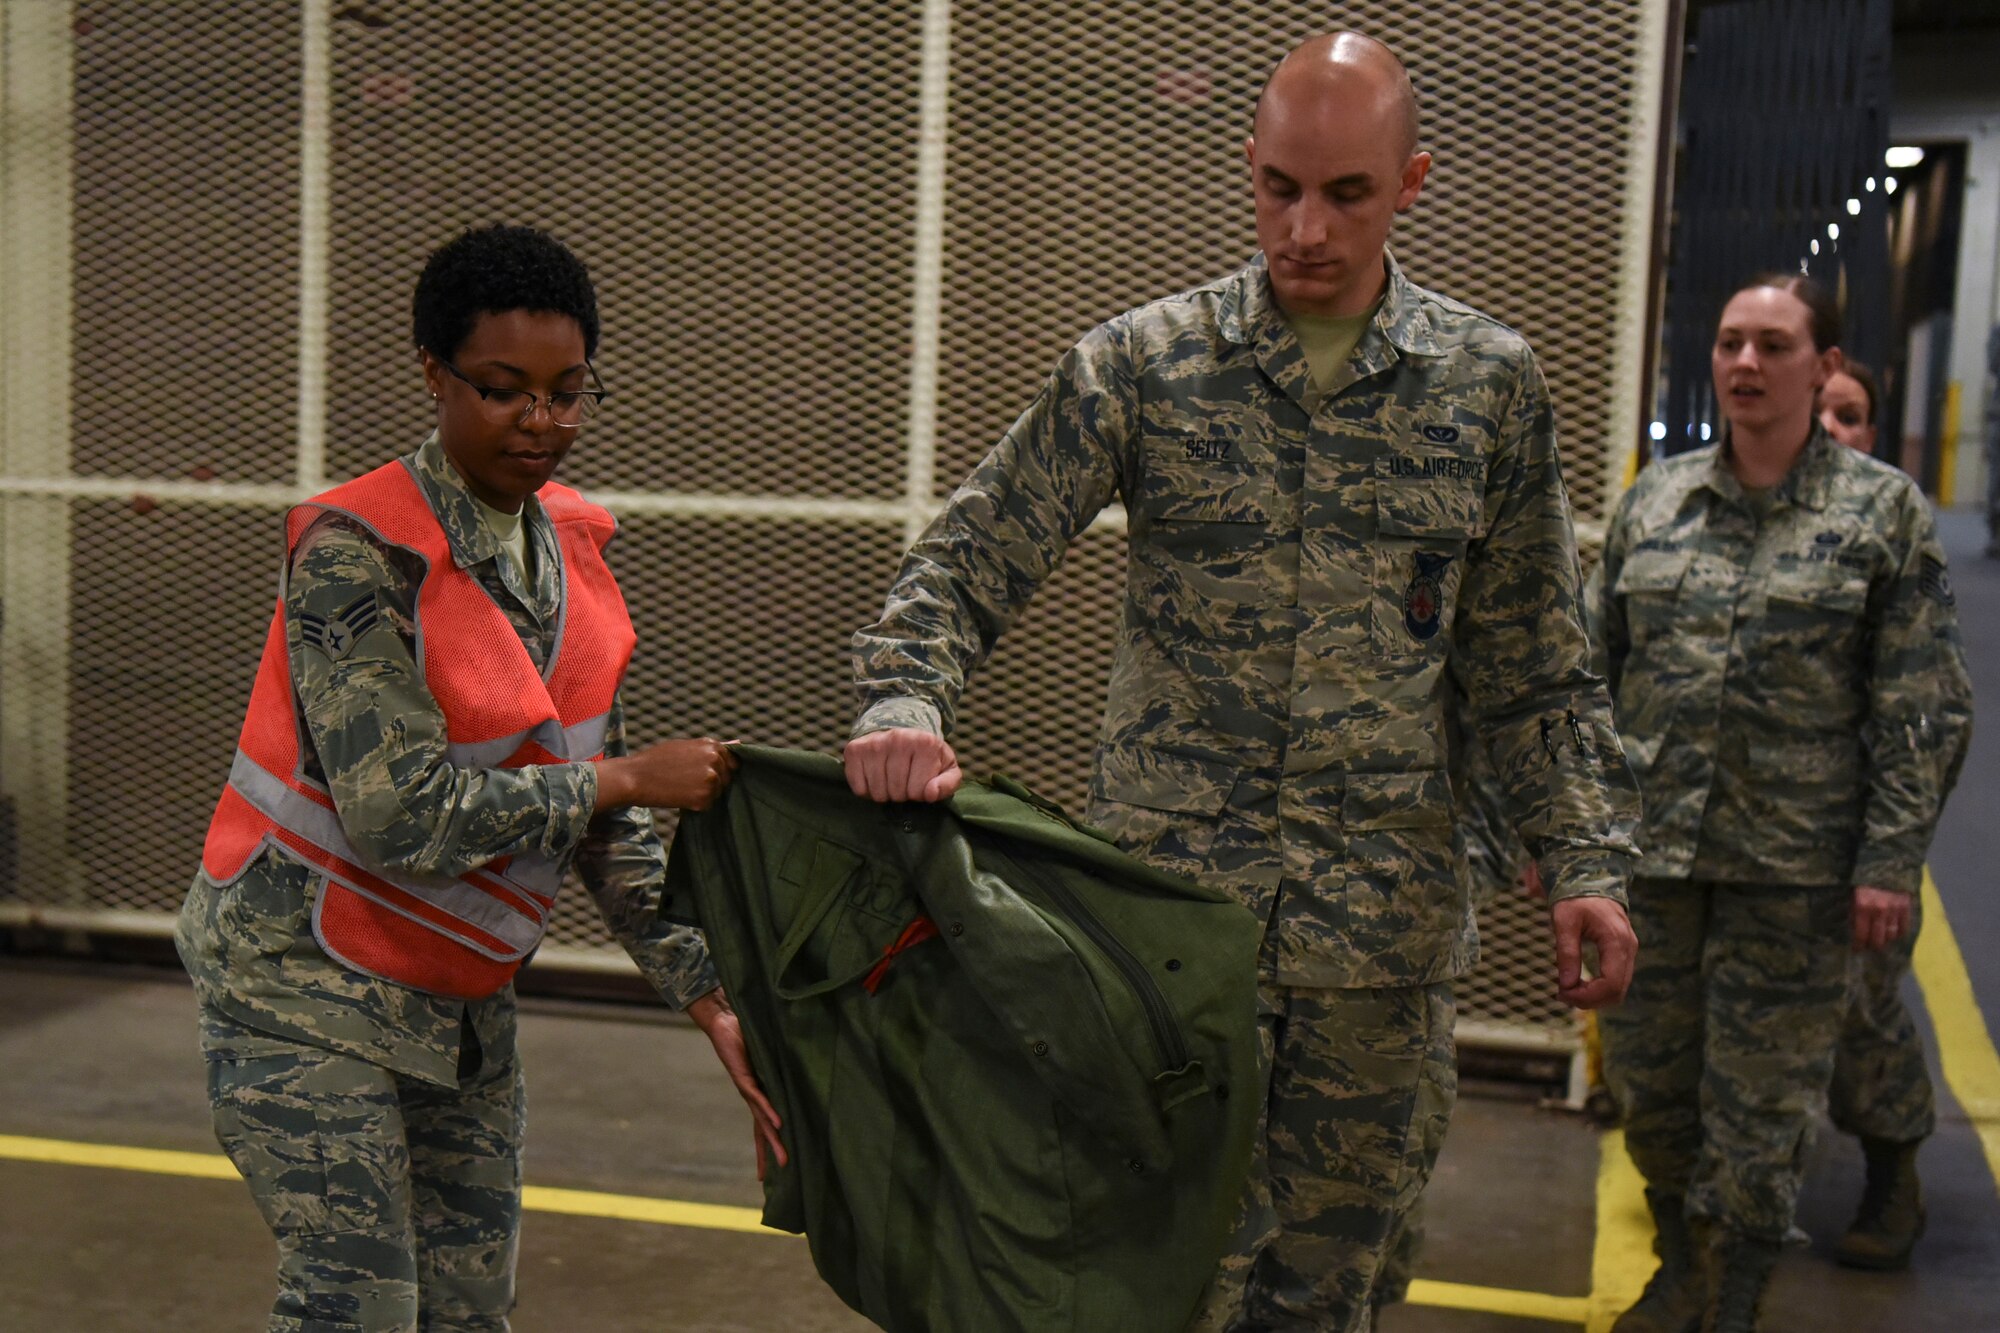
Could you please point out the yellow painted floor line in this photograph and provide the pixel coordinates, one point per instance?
(1622, 1259)
(1498, 1300)
(709, 1216)
(1965, 1045)
(152, 1161)
(534, 1198)
(634, 1208)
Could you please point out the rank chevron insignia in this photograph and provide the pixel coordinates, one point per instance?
(336, 635)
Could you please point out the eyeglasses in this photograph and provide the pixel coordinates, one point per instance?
(567, 409)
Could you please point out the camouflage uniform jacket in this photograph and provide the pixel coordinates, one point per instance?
(1308, 575)
(375, 735)
(1791, 691)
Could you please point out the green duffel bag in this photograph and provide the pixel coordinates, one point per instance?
(1017, 1068)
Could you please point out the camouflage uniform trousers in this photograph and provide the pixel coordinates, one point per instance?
(396, 1203)
(1723, 1049)
(1399, 1266)
(1881, 1088)
(1361, 1087)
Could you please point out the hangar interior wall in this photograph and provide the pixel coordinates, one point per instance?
(838, 245)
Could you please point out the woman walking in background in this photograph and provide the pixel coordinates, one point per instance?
(1784, 656)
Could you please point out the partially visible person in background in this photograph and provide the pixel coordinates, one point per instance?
(435, 738)
(1847, 407)
(1881, 1091)
(1993, 443)
(1782, 646)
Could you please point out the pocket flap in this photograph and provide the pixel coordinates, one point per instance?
(1441, 497)
(1803, 758)
(1652, 571)
(1397, 800)
(834, 940)
(1205, 479)
(1826, 586)
(1162, 781)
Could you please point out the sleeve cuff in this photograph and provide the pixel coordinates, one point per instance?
(1883, 871)
(893, 713)
(1579, 872)
(572, 796)
(685, 986)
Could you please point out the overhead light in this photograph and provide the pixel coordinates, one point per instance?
(1815, 247)
(1833, 231)
(1888, 184)
(1869, 185)
(1658, 430)
(1854, 208)
(1704, 430)
(1903, 157)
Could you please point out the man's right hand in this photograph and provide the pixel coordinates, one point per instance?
(686, 775)
(902, 764)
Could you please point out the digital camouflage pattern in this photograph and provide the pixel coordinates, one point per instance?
(1721, 1053)
(1310, 575)
(282, 1022)
(1788, 690)
(1792, 692)
(1312, 578)
(1364, 1085)
(1881, 1088)
(396, 1203)
(1494, 857)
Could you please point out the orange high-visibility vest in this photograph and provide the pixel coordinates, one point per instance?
(463, 936)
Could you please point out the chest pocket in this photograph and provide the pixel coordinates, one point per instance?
(1202, 538)
(1649, 588)
(1826, 589)
(1428, 508)
(1815, 622)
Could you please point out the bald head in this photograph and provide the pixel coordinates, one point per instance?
(1357, 74)
(1333, 161)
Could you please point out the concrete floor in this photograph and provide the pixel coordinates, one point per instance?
(626, 1101)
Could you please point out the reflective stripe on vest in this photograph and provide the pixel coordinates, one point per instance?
(466, 935)
(504, 906)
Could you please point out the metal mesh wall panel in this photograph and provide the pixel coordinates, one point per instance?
(746, 183)
(170, 606)
(186, 240)
(1097, 162)
(738, 177)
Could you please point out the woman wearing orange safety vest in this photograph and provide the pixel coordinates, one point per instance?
(434, 740)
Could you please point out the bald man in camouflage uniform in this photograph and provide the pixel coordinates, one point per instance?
(1318, 555)
(302, 1051)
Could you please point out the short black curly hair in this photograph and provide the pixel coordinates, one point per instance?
(487, 270)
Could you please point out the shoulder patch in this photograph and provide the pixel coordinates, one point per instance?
(336, 635)
(1934, 583)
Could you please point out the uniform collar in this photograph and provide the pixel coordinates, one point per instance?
(1250, 311)
(1809, 483)
(1250, 317)
(457, 509)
